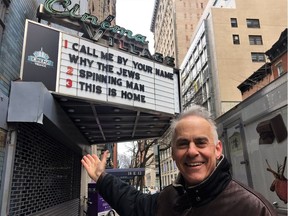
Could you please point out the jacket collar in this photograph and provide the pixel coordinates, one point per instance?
(208, 189)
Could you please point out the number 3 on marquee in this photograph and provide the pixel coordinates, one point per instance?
(69, 72)
(69, 83)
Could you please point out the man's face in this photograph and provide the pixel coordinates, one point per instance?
(194, 149)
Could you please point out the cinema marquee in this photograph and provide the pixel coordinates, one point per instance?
(79, 67)
(110, 87)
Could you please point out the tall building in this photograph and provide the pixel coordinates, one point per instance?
(173, 23)
(168, 167)
(151, 171)
(102, 8)
(229, 44)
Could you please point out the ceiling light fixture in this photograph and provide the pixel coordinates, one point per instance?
(63, 99)
(116, 110)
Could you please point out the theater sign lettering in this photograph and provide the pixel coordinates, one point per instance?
(83, 69)
(96, 72)
(96, 30)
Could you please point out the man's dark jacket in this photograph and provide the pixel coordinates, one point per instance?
(218, 195)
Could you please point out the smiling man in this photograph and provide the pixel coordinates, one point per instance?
(196, 148)
(203, 187)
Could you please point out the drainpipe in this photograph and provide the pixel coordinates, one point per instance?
(8, 165)
(159, 166)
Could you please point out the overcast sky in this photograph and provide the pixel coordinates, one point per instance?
(136, 15)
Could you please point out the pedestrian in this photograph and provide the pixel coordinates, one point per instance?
(204, 186)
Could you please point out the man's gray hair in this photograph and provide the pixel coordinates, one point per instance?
(194, 110)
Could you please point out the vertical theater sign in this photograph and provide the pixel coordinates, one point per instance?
(107, 63)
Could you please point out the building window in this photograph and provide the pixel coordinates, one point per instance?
(236, 39)
(234, 23)
(255, 40)
(258, 57)
(280, 69)
(253, 23)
